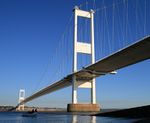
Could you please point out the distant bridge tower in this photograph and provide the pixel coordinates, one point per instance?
(85, 48)
(21, 98)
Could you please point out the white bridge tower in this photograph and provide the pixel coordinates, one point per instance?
(85, 48)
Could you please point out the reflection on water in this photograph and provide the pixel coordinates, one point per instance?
(74, 119)
(93, 119)
(57, 118)
(82, 119)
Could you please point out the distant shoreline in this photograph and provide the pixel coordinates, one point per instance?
(27, 108)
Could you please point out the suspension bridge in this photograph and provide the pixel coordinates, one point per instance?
(128, 54)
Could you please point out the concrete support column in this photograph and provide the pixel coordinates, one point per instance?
(93, 89)
(93, 92)
(74, 83)
(74, 90)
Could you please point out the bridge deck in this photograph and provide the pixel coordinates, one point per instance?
(132, 54)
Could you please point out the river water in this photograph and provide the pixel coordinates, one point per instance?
(16, 117)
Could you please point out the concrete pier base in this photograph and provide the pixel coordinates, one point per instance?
(83, 108)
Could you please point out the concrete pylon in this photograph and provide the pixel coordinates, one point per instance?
(21, 98)
(85, 48)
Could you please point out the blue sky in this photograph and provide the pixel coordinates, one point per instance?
(31, 43)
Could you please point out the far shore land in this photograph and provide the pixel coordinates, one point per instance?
(27, 108)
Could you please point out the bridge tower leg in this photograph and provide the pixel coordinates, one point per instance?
(86, 48)
(21, 98)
